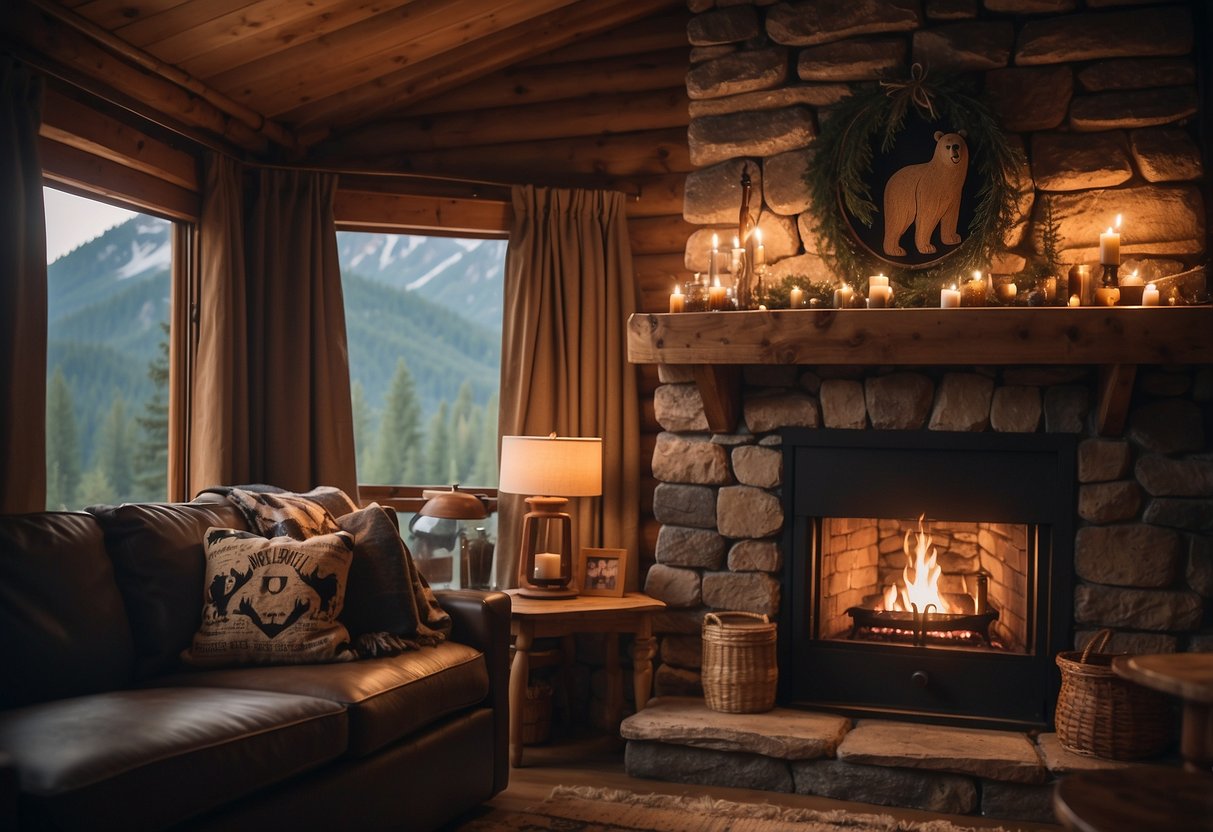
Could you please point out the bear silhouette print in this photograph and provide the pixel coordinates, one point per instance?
(927, 195)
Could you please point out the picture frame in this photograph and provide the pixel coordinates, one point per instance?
(602, 571)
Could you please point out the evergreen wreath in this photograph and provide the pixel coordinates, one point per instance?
(844, 157)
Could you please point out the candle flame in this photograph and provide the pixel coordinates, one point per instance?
(736, 242)
(677, 288)
(953, 287)
(1151, 287)
(977, 274)
(717, 283)
(1118, 222)
(715, 241)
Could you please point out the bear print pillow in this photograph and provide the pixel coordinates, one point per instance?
(272, 600)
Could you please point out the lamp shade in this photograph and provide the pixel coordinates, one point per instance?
(551, 466)
(453, 504)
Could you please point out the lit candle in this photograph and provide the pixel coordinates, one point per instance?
(796, 297)
(678, 301)
(1107, 296)
(547, 566)
(1074, 301)
(949, 298)
(1049, 286)
(1109, 245)
(760, 252)
(716, 296)
(738, 251)
(1006, 292)
(842, 296)
(879, 296)
(973, 292)
(1132, 289)
(877, 280)
(1150, 296)
(1133, 279)
(712, 266)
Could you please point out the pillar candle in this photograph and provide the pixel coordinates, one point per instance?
(716, 296)
(736, 259)
(712, 264)
(1107, 296)
(877, 280)
(1006, 292)
(547, 566)
(973, 292)
(678, 301)
(1109, 245)
(760, 252)
(879, 297)
(1075, 301)
(1150, 296)
(949, 298)
(1131, 289)
(796, 297)
(1049, 287)
(842, 296)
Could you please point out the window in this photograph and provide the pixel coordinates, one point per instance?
(108, 297)
(423, 319)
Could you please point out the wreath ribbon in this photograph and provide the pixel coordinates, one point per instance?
(915, 87)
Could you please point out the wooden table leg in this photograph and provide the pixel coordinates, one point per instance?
(644, 648)
(1196, 738)
(614, 703)
(520, 673)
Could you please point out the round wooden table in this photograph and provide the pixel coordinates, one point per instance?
(1137, 799)
(1190, 677)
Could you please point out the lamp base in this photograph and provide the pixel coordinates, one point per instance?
(554, 594)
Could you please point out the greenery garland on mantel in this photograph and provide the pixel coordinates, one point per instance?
(843, 158)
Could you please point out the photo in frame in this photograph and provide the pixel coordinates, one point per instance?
(602, 571)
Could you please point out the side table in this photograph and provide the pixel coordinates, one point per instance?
(537, 618)
(1190, 677)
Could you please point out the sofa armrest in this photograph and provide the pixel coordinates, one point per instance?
(482, 620)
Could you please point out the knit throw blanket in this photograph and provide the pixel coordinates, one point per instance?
(415, 615)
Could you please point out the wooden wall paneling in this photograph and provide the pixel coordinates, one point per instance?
(649, 529)
(88, 173)
(648, 415)
(73, 123)
(655, 278)
(658, 196)
(648, 378)
(659, 235)
(372, 210)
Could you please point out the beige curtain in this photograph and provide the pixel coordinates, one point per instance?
(272, 399)
(22, 293)
(569, 291)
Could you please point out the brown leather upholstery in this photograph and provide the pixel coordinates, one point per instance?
(63, 629)
(160, 566)
(149, 758)
(388, 698)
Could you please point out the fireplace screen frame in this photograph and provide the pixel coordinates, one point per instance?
(1024, 479)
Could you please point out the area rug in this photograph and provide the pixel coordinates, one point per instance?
(586, 809)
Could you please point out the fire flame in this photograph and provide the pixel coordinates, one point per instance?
(920, 585)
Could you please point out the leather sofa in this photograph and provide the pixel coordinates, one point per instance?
(101, 727)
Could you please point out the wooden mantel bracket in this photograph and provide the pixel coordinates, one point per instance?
(720, 388)
(1115, 390)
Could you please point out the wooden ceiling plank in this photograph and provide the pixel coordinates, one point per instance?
(650, 34)
(331, 16)
(369, 49)
(530, 85)
(110, 14)
(181, 18)
(396, 91)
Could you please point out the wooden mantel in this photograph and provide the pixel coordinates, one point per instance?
(1115, 339)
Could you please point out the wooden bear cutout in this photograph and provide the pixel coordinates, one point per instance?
(927, 195)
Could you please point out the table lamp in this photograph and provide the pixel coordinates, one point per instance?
(454, 510)
(550, 470)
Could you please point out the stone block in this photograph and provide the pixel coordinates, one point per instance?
(1178, 513)
(675, 586)
(1165, 154)
(699, 54)
(951, 9)
(1086, 37)
(823, 21)
(962, 402)
(754, 592)
(808, 95)
(1199, 573)
(1132, 108)
(675, 374)
(755, 556)
(782, 410)
(1164, 476)
(994, 755)
(1066, 409)
(1075, 162)
(1163, 381)
(787, 192)
(697, 548)
(1015, 409)
(780, 733)
(738, 72)
(1107, 502)
(731, 25)
(705, 766)
(810, 268)
(898, 401)
(842, 404)
(1132, 554)
(810, 240)
(1137, 73)
(1101, 460)
(1031, 6)
(1017, 801)
(1124, 641)
(682, 651)
(1171, 426)
(679, 407)
(949, 793)
(743, 511)
(853, 60)
(1141, 609)
(685, 505)
(713, 139)
(758, 466)
(676, 681)
(780, 238)
(713, 195)
(681, 621)
(698, 252)
(691, 460)
(1030, 98)
(965, 47)
(1166, 220)
(1061, 761)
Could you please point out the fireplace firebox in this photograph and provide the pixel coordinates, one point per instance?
(928, 575)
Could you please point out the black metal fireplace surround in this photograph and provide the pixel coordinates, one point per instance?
(1026, 479)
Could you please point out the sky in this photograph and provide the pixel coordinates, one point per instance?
(72, 220)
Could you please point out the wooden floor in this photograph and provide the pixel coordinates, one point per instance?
(598, 761)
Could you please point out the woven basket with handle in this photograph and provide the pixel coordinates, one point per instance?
(1099, 714)
(739, 664)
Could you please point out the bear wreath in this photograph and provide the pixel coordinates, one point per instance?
(907, 175)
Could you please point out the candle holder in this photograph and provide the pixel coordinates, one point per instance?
(1110, 278)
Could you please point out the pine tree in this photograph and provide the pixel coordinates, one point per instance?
(62, 445)
(438, 457)
(151, 456)
(95, 489)
(399, 458)
(363, 430)
(485, 472)
(113, 454)
(464, 436)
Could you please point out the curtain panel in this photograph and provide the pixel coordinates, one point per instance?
(569, 291)
(23, 304)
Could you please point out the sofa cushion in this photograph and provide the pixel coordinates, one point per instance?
(159, 565)
(146, 759)
(388, 697)
(273, 601)
(63, 628)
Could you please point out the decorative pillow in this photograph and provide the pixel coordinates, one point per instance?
(272, 600)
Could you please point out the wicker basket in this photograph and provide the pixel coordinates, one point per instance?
(1099, 714)
(739, 666)
(537, 713)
